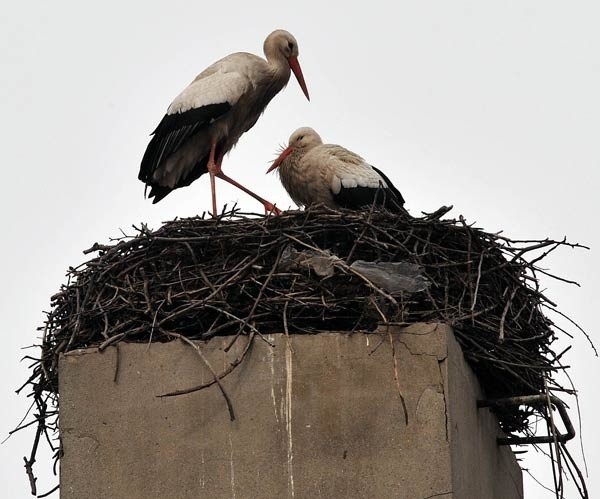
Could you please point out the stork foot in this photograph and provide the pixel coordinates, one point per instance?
(271, 208)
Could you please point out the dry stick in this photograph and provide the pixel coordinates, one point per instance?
(523, 241)
(117, 364)
(241, 321)
(478, 280)
(153, 327)
(437, 214)
(209, 367)
(193, 255)
(46, 494)
(504, 313)
(213, 331)
(146, 291)
(206, 280)
(110, 341)
(583, 492)
(469, 279)
(576, 325)
(574, 392)
(567, 463)
(557, 485)
(384, 319)
(285, 321)
(31, 461)
(44, 375)
(98, 247)
(558, 357)
(545, 253)
(472, 315)
(533, 476)
(539, 245)
(541, 271)
(231, 367)
(19, 427)
(105, 318)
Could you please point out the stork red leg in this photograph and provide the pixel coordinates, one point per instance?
(213, 169)
(269, 207)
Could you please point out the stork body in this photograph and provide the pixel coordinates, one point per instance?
(207, 118)
(313, 172)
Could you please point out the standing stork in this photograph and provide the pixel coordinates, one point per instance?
(208, 117)
(313, 172)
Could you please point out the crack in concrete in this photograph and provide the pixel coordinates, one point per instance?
(81, 436)
(439, 495)
(396, 378)
(440, 362)
(436, 356)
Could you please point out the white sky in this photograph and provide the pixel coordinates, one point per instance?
(491, 106)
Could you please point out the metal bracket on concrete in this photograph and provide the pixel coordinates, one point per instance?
(533, 401)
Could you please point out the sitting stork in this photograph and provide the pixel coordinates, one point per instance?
(313, 172)
(206, 120)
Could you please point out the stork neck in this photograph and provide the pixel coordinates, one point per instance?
(280, 68)
(277, 78)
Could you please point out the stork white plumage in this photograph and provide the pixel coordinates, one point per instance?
(313, 172)
(207, 119)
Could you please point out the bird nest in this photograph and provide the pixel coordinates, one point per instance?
(309, 271)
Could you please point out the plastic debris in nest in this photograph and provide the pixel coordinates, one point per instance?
(393, 277)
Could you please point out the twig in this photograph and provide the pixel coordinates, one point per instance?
(209, 367)
(231, 367)
(50, 492)
(503, 317)
(117, 363)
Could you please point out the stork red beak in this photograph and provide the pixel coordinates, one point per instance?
(295, 67)
(284, 154)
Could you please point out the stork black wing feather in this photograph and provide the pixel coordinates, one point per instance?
(358, 197)
(173, 131)
(399, 199)
(354, 198)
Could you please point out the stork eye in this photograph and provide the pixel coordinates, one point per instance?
(290, 46)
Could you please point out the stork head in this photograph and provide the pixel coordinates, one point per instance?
(301, 141)
(282, 45)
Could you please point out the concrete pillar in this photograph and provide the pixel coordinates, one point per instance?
(317, 416)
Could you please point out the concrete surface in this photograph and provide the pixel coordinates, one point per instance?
(317, 416)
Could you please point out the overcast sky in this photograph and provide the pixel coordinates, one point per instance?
(493, 107)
